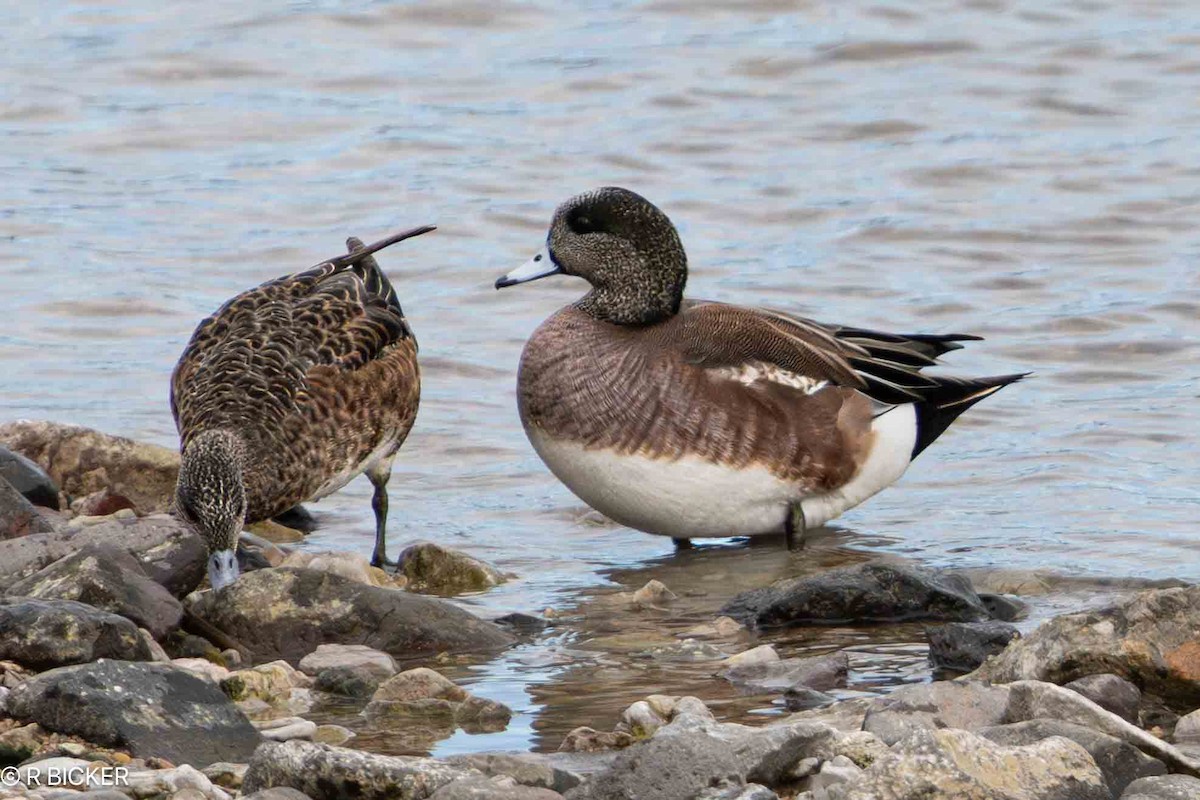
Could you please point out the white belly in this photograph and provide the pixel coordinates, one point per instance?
(692, 497)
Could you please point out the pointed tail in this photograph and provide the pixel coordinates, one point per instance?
(940, 406)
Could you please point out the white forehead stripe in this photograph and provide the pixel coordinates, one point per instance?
(756, 371)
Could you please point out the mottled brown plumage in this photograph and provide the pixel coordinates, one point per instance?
(634, 372)
(290, 390)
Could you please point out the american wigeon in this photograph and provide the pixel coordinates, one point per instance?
(690, 418)
(289, 391)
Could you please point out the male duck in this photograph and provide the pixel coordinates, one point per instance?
(289, 391)
(701, 419)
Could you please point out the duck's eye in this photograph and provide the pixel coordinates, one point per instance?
(582, 223)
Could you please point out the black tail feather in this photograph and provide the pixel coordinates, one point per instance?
(940, 406)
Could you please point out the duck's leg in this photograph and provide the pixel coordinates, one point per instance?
(794, 527)
(682, 544)
(379, 475)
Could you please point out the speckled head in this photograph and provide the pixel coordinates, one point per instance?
(211, 496)
(621, 244)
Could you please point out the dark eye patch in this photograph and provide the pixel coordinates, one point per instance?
(582, 223)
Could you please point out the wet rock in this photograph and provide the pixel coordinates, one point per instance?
(1151, 639)
(18, 516)
(817, 672)
(500, 787)
(802, 698)
(42, 634)
(527, 769)
(439, 570)
(521, 623)
(754, 657)
(347, 565)
(1004, 607)
(654, 594)
(1120, 762)
(272, 683)
(871, 592)
(644, 718)
(589, 740)
(101, 504)
(27, 478)
(275, 533)
(347, 681)
(81, 461)
(108, 578)
(1110, 692)
(694, 754)
(287, 613)
(927, 706)
(1030, 700)
(423, 694)
(963, 646)
(332, 734)
(751, 791)
(147, 709)
(1164, 787)
(331, 773)
(958, 765)
(356, 656)
(285, 729)
(719, 628)
(689, 650)
(170, 553)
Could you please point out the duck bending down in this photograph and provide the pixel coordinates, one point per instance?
(691, 418)
(289, 391)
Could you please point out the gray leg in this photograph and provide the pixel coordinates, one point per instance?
(379, 475)
(795, 528)
(682, 544)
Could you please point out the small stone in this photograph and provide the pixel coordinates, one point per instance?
(837, 770)
(356, 681)
(641, 720)
(763, 654)
(332, 734)
(275, 533)
(203, 668)
(101, 504)
(1110, 692)
(226, 774)
(285, 729)
(376, 662)
(153, 648)
(232, 658)
(653, 594)
(963, 646)
(588, 740)
(272, 683)
(434, 569)
(802, 698)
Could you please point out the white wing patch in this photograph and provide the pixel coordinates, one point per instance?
(756, 371)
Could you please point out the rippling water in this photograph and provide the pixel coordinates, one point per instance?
(1000, 167)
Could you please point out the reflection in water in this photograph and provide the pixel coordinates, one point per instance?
(987, 167)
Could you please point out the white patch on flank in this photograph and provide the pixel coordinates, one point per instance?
(895, 436)
(751, 373)
(691, 497)
(352, 471)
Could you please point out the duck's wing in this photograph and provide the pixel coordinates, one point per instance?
(251, 364)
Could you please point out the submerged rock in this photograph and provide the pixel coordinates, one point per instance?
(963, 646)
(424, 695)
(958, 765)
(439, 570)
(42, 634)
(148, 709)
(1120, 762)
(18, 517)
(170, 552)
(108, 578)
(1151, 639)
(29, 479)
(1110, 692)
(871, 592)
(287, 613)
(930, 706)
(81, 461)
(324, 772)
(816, 672)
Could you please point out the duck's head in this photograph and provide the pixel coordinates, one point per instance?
(621, 244)
(211, 496)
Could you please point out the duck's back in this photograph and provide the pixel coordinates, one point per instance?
(315, 371)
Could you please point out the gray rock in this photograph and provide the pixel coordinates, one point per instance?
(81, 461)
(1036, 700)
(963, 646)
(356, 681)
(42, 634)
(377, 662)
(958, 765)
(18, 517)
(871, 592)
(751, 791)
(29, 479)
(1165, 787)
(170, 552)
(425, 695)
(1120, 762)
(324, 772)
(148, 709)
(527, 769)
(834, 772)
(1187, 729)
(439, 570)
(109, 578)
(287, 613)
(496, 788)
(522, 623)
(927, 706)
(1004, 607)
(693, 754)
(818, 672)
(1148, 639)
(278, 793)
(1110, 692)
(802, 698)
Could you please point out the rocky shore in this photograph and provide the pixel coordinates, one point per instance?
(121, 675)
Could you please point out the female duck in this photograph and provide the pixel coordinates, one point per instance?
(701, 419)
(289, 391)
